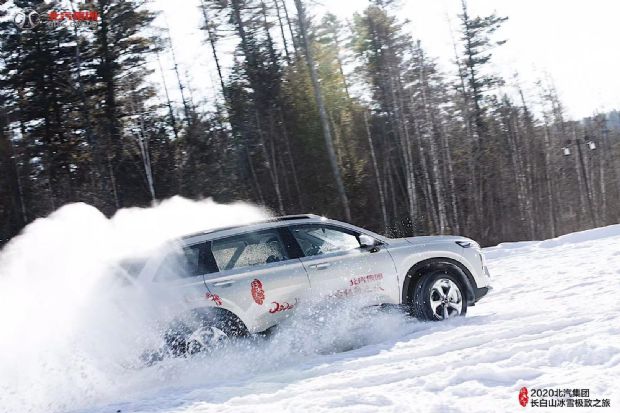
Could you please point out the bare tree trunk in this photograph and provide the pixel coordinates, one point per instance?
(529, 166)
(290, 27)
(451, 184)
(173, 121)
(581, 182)
(256, 185)
(608, 172)
(211, 38)
(373, 157)
(101, 183)
(113, 178)
(431, 206)
(270, 163)
(284, 42)
(272, 52)
(289, 155)
(180, 83)
(392, 187)
(473, 182)
(439, 189)
(331, 151)
(339, 60)
(13, 175)
(550, 184)
(523, 199)
(107, 74)
(402, 131)
(143, 147)
(12, 154)
(409, 172)
(19, 188)
(603, 196)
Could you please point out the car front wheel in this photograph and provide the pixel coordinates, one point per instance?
(439, 296)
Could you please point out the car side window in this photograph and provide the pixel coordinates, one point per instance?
(185, 262)
(321, 239)
(247, 250)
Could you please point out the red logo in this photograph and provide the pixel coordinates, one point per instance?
(73, 15)
(523, 397)
(258, 294)
(277, 307)
(215, 298)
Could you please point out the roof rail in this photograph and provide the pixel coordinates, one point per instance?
(264, 221)
(292, 217)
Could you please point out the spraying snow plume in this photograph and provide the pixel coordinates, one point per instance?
(68, 330)
(73, 334)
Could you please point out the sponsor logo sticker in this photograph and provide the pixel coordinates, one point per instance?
(215, 298)
(523, 397)
(258, 294)
(277, 307)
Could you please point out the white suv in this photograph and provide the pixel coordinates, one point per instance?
(246, 279)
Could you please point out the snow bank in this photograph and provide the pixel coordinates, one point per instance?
(596, 234)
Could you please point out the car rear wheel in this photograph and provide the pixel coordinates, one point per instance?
(198, 332)
(439, 296)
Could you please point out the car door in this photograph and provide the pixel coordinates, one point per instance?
(260, 277)
(339, 266)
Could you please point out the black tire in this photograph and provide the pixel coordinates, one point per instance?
(179, 337)
(426, 294)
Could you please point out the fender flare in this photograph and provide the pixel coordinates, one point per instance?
(415, 274)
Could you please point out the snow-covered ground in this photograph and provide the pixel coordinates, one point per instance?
(552, 321)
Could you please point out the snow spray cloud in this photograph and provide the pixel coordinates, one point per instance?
(71, 335)
(317, 334)
(65, 337)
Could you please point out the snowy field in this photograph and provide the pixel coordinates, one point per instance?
(552, 321)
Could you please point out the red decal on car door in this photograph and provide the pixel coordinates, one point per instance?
(258, 294)
(215, 298)
(277, 307)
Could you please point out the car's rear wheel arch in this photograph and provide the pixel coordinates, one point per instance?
(219, 317)
(417, 272)
(222, 315)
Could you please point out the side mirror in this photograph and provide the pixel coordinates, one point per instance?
(368, 242)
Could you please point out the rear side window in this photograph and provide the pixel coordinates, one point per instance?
(247, 250)
(322, 239)
(186, 262)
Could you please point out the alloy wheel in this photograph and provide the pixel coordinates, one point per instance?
(445, 299)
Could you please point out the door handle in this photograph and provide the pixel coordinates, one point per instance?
(224, 284)
(320, 266)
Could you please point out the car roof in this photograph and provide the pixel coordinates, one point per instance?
(254, 226)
